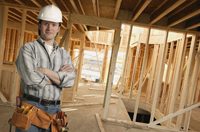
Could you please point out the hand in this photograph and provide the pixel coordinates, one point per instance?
(67, 68)
(41, 70)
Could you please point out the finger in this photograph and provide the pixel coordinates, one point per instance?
(67, 65)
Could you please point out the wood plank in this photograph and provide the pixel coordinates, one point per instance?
(179, 2)
(192, 89)
(159, 78)
(141, 76)
(193, 26)
(153, 65)
(184, 18)
(134, 69)
(99, 122)
(145, 4)
(25, 7)
(174, 114)
(159, 6)
(81, 7)
(12, 45)
(16, 45)
(16, 85)
(124, 69)
(115, 48)
(2, 97)
(95, 21)
(36, 3)
(94, 7)
(186, 79)
(7, 46)
(3, 26)
(177, 74)
(65, 5)
(117, 7)
(98, 9)
(136, 5)
(167, 76)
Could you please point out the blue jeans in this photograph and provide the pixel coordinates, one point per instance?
(51, 109)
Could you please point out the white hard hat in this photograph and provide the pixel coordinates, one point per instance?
(50, 13)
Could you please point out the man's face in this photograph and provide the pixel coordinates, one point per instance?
(48, 30)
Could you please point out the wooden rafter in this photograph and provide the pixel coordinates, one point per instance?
(65, 5)
(185, 18)
(167, 11)
(36, 3)
(81, 7)
(53, 2)
(48, 2)
(76, 10)
(19, 17)
(183, 7)
(19, 1)
(159, 6)
(117, 7)
(28, 15)
(94, 7)
(193, 26)
(145, 4)
(98, 9)
(136, 5)
(74, 6)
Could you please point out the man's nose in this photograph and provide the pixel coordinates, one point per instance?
(49, 27)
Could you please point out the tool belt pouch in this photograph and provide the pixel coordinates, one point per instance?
(42, 119)
(22, 120)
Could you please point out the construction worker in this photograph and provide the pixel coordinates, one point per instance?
(44, 67)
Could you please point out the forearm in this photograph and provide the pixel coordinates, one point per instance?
(53, 76)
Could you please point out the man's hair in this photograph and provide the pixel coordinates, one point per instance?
(40, 21)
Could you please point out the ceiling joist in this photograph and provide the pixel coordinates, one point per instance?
(159, 6)
(117, 7)
(145, 4)
(179, 2)
(36, 3)
(94, 7)
(183, 7)
(185, 18)
(81, 7)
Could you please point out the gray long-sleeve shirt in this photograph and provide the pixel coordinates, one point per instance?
(34, 54)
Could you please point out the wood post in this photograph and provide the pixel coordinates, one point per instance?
(104, 72)
(134, 70)
(153, 65)
(186, 79)
(7, 45)
(115, 48)
(159, 78)
(176, 75)
(3, 26)
(192, 88)
(141, 75)
(123, 73)
(17, 78)
(167, 76)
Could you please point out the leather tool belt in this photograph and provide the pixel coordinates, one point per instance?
(43, 101)
(23, 118)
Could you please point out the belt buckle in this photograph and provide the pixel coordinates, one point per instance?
(47, 102)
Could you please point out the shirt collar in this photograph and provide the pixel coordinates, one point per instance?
(55, 44)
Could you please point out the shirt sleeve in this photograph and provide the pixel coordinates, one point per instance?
(67, 78)
(26, 66)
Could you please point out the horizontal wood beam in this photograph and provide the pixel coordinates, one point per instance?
(159, 6)
(145, 4)
(95, 21)
(183, 7)
(185, 18)
(25, 7)
(193, 26)
(169, 9)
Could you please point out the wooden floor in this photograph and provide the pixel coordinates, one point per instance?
(82, 118)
